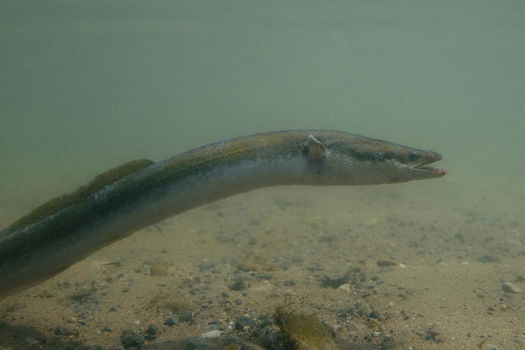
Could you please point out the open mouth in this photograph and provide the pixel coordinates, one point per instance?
(438, 171)
(424, 165)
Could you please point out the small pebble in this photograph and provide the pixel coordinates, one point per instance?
(511, 288)
(60, 330)
(158, 270)
(346, 287)
(211, 334)
(480, 293)
(489, 259)
(243, 321)
(289, 283)
(238, 284)
(170, 321)
(213, 326)
(387, 262)
(490, 347)
(433, 333)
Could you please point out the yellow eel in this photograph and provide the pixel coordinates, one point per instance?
(140, 193)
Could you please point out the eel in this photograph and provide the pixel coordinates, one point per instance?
(140, 193)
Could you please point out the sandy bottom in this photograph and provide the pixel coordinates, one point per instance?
(412, 266)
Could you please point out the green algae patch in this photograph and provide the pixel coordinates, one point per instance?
(303, 331)
(61, 202)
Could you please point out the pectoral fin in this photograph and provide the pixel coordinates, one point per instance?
(315, 149)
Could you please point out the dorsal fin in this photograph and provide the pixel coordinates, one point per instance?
(63, 201)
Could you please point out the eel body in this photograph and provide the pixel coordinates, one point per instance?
(140, 193)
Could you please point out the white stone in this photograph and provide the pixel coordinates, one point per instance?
(211, 334)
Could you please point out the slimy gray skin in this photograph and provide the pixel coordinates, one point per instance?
(140, 193)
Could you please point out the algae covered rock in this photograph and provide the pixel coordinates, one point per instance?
(303, 331)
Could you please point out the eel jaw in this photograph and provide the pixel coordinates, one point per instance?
(431, 171)
(422, 167)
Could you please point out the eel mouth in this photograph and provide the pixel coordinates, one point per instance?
(422, 166)
(433, 171)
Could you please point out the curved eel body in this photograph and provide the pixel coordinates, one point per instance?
(140, 193)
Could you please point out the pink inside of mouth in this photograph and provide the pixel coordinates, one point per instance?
(442, 171)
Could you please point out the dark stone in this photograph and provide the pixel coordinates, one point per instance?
(489, 259)
(377, 315)
(268, 336)
(285, 265)
(266, 276)
(238, 284)
(335, 282)
(197, 344)
(359, 309)
(130, 338)
(151, 332)
(243, 321)
(214, 325)
(433, 333)
(60, 330)
(170, 321)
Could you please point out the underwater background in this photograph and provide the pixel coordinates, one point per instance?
(88, 85)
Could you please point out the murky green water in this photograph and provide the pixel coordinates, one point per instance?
(87, 85)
